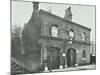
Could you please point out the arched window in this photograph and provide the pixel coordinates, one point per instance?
(83, 36)
(71, 34)
(84, 54)
(54, 31)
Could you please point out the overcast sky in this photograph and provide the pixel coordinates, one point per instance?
(84, 15)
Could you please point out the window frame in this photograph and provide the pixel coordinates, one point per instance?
(84, 54)
(55, 26)
(70, 36)
(83, 36)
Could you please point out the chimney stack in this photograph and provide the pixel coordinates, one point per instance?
(68, 14)
(36, 5)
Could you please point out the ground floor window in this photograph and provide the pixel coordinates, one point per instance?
(84, 54)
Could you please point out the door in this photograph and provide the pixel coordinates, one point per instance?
(53, 58)
(71, 57)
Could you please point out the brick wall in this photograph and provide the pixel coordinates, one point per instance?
(63, 27)
(63, 30)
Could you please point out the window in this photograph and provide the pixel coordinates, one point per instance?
(71, 34)
(54, 31)
(83, 36)
(84, 54)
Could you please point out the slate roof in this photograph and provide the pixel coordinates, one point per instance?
(53, 15)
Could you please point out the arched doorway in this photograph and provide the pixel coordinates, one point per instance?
(53, 58)
(71, 57)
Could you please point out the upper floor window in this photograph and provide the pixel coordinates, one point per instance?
(71, 34)
(84, 54)
(54, 31)
(83, 36)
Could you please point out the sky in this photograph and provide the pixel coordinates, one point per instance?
(84, 15)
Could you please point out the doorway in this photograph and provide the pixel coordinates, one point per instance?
(71, 57)
(53, 58)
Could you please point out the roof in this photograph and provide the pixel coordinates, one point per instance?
(45, 12)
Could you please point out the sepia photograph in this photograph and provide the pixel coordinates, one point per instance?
(52, 37)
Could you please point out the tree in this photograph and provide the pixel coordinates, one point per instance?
(16, 41)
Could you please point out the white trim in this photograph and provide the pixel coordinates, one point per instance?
(83, 58)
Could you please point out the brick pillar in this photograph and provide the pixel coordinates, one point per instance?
(45, 52)
(61, 66)
(45, 49)
(66, 59)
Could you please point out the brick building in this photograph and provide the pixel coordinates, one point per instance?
(56, 41)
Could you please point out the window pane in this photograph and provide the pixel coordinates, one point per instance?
(83, 36)
(54, 31)
(84, 54)
(71, 34)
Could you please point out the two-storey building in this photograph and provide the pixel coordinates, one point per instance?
(57, 42)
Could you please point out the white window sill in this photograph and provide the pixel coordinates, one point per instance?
(83, 58)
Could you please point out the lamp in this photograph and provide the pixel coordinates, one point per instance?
(63, 54)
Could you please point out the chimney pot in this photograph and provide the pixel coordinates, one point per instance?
(35, 5)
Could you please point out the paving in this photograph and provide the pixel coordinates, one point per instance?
(86, 67)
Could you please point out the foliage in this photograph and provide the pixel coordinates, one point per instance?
(16, 41)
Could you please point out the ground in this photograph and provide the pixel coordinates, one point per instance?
(86, 67)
